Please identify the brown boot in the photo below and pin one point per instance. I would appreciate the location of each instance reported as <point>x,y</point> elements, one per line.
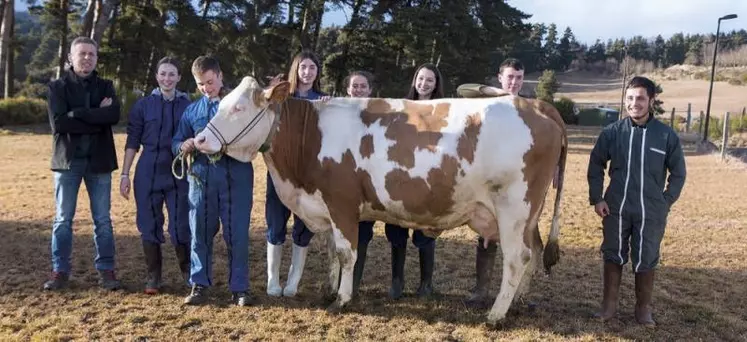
<point>612,276</point>
<point>644,289</point>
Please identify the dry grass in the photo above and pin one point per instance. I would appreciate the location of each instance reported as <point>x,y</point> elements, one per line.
<point>700,292</point>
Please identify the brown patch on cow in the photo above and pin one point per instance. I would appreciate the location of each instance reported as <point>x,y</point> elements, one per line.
<point>418,127</point>
<point>547,129</point>
<point>367,146</point>
<point>468,140</point>
<point>342,192</point>
<point>410,191</point>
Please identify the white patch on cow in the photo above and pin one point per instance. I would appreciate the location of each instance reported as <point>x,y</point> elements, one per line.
<point>341,129</point>
<point>513,214</point>
<point>503,140</point>
<point>346,258</point>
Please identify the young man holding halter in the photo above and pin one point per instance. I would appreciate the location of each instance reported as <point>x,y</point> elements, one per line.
<point>220,189</point>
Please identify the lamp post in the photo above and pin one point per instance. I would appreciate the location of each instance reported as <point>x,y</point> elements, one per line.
<point>713,71</point>
<point>624,54</point>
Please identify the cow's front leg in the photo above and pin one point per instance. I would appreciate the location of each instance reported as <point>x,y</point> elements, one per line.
<point>344,243</point>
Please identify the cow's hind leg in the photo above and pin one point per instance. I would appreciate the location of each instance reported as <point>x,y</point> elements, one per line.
<point>346,255</point>
<point>533,238</point>
<point>334,266</point>
<point>513,214</point>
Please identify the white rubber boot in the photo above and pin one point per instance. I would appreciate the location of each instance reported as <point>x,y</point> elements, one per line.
<point>274,256</point>
<point>296,270</point>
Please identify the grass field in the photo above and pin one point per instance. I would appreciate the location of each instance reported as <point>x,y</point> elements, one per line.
<point>700,291</point>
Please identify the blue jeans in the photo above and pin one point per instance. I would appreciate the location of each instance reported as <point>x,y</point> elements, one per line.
<point>277,215</point>
<point>66,186</point>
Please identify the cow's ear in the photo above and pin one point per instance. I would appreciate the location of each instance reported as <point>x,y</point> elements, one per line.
<point>277,93</point>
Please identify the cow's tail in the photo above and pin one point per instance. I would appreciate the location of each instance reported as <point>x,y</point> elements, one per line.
<point>551,254</point>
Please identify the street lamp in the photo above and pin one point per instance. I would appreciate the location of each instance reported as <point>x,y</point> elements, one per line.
<point>713,71</point>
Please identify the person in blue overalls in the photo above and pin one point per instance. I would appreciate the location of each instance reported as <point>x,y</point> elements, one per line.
<point>304,84</point>
<point>152,123</point>
<point>218,189</point>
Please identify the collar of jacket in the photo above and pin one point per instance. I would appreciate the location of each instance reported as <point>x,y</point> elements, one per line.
<point>157,92</point>
<point>648,121</point>
<point>73,77</point>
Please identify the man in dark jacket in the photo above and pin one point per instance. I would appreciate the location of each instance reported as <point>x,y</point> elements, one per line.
<point>640,150</point>
<point>82,110</point>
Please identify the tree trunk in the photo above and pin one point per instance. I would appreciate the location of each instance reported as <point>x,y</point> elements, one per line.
<point>88,18</point>
<point>62,21</point>
<point>115,14</point>
<point>104,10</point>
<point>7,43</point>
<point>2,9</point>
<point>205,8</point>
<point>351,26</point>
<point>6,46</point>
<point>317,24</point>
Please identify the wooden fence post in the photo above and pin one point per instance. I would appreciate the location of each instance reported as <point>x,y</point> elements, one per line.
<point>689,117</point>
<point>726,136</point>
<point>700,124</point>
<point>741,120</point>
<point>671,119</point>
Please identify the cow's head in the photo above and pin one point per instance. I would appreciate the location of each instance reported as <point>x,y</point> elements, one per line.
<point>244,120</point>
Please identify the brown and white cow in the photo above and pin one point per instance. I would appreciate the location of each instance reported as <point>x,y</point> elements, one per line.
<point>435,165</point>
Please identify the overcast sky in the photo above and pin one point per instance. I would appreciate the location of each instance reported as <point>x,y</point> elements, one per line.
<point>605,19</point>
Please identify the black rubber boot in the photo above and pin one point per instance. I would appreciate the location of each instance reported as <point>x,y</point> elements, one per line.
<point>398,272</point>
<point>360,262</point>
<point>484,264</point>
<point>427,259</point>
<point>153,261</point>
<point>183,258</point>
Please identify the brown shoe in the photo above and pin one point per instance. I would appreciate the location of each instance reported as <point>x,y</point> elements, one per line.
<point>612,276</point>
<point>644,289</point>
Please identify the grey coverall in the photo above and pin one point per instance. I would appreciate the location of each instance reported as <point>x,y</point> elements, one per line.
<point>639,159</point>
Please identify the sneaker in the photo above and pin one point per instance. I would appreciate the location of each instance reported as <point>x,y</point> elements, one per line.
<point>57,281</point>
<point>108,280</point>
<point>197,296</point>
<point>242,298</point>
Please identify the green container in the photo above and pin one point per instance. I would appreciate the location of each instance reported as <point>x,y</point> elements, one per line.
<point>597,116</point>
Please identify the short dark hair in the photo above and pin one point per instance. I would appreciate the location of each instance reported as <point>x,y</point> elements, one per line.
<point>168,60</point>
<point>642,82</point>
<point>84,40</point>
<point>511,63</point>
<point>204,64</point>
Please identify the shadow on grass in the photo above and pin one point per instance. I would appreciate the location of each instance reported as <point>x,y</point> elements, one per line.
<point>690,303</point>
